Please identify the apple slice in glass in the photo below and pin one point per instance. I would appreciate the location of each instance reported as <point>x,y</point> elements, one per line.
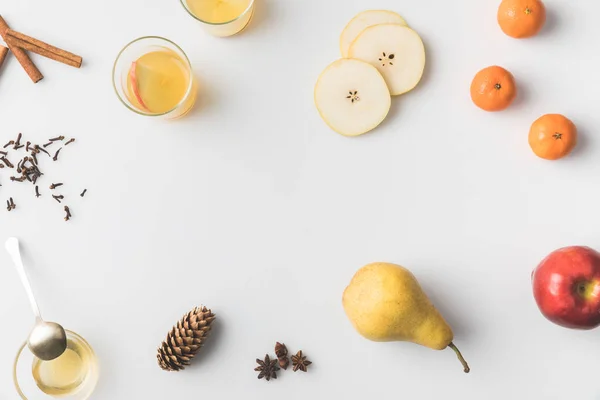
<point>134,87</point>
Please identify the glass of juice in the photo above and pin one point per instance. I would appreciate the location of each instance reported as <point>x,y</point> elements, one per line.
<point>152,76</point>
<point>72,376</point>
<point>221,17</point>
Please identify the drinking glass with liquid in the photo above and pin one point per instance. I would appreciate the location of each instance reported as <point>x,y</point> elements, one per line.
<point>72,376</point>
<point>152,76</point>
<point>221,17</point>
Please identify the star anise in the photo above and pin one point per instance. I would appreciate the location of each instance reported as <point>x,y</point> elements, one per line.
<point>267,368</point>
<point>282,355</point>
<point>300,362</point>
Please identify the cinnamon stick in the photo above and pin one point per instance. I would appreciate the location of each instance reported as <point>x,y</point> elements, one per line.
<point>43,49</point>
<point>3,54</point>
<point>21,55</point>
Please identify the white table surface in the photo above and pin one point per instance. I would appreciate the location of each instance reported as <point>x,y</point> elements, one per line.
<point>252,206</point>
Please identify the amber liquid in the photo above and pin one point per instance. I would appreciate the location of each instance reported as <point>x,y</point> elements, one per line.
<point>227,17</point>
<point>218,11</point>
<point>66,374</point>
<point>158,82</point>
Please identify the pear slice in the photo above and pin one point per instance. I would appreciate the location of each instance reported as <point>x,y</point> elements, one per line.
<point>396,51</point>
<point>352,97</point>
<point>364,20</point>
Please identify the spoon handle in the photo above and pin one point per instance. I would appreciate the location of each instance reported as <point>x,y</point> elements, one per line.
<point>12,246</point>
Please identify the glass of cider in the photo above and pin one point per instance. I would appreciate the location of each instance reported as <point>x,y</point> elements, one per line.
<point>152,76</point>
<point>72,376</point>
<point>221,17</point>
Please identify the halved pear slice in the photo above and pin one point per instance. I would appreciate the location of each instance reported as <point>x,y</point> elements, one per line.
<point>396,51</point>
<point>352,97</point>
<point>364,20</point>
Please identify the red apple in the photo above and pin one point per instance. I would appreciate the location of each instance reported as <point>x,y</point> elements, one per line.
<point>566,287</point>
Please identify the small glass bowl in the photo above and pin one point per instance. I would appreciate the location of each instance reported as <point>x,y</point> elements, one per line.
<point>28,389</point>
<point>227,28</point>
<point>132,52</point>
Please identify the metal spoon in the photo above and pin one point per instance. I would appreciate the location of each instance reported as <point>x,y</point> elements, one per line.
<point>47,340</point>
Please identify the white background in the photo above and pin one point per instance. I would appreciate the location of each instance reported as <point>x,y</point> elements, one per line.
<point>252,206</point>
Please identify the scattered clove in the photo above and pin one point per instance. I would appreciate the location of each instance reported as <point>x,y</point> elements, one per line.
<point>18,142</point>
<point>38,149</point>
<point>27,168</point>
<point>8,163</point>
<point>68,211</point>
<point>55,158</point>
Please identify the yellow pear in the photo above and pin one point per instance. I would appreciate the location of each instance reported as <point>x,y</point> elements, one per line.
<point>385,303</point>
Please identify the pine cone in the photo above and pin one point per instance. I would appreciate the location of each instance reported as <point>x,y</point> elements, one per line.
<point>185,339</point>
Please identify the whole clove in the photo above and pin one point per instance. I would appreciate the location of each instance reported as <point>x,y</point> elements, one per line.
<point>7,162</point>
<point>55,185</point>
<point>69,141</point>
<point>18,142</point>
<point>48,144</point>
<point>27,147</point>
<point>37,191</point>
<point>55,158</point>
<point>10,143</point>
<point>38,149</point>
<point>83,193</point>
<point>58,198</point>
<point>4,153</point>
<point>68,211</point>
<point>12,204</point>
<point>57,138</point>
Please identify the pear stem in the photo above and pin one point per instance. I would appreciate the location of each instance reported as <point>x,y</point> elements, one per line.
<point>460,358</point>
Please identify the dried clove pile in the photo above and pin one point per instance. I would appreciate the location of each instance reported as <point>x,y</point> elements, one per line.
<point>28,169</point>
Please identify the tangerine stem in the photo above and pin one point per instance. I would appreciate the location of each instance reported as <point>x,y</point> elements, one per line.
<point>460,358</point>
